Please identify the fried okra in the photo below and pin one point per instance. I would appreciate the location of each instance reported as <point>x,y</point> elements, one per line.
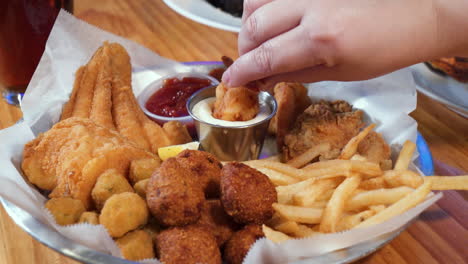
<point>109,183</point>
<point>136,245</point>
<point>90,218</point>
<point>142,169</point>
<point>123,212</point>
<point>66,210</point>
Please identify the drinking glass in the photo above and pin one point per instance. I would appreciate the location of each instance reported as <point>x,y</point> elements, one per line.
<point>24,28</point>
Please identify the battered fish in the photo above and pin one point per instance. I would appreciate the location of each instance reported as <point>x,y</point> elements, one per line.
<point>69,157</point>
<point>103,93</point>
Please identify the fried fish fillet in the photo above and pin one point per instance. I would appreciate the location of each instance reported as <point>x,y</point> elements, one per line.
<point>332,122</point>
<point>236,103</point>
<point>103,93</point>
<point>69,157</point>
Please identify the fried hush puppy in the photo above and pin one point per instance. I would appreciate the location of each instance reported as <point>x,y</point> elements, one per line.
<point>66,210</point>
<point>215,219</point>
<point>123,212</point>
<point>136,245</point>
<point>239,245</point>
<point>247,194</point>
<point>109,183</point>
<point>188,244</point>
<point>173,196</point>
<point>89,218</point>
<point>206,169</point>
<point>142,169</point>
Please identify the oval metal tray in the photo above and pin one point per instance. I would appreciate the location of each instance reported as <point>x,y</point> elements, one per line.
<point>69,248</point>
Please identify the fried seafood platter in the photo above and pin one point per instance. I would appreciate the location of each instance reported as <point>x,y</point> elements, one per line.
<point>100,165</point>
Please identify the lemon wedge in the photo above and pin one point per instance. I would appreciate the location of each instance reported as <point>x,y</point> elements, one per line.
<point>172,151</point>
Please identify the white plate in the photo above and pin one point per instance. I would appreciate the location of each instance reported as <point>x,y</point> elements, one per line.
<point>204,13</point>
<point>444,89</point>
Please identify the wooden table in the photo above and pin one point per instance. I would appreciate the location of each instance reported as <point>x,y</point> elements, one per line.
<point>440,235</point>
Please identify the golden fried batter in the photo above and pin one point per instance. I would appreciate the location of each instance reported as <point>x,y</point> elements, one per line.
<point>236,103</point>
<point>215,219</point>
<point>331,122</point>
<point>239,245</point>
<point>103,93</point>
<point>123,212</point>
<point>247,194</point>
<point>69,158</point>
<point>173,196</point>
<point>66,211</point>
<point>189,244</point>
<point>205,168</point>
<point>136,245</point>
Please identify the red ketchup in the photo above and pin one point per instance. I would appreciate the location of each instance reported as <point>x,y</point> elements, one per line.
<point>171,99</point>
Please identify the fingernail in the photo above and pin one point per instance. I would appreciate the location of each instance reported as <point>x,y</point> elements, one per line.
<point>227,78</point>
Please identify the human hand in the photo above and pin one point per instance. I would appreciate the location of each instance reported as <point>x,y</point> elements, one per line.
<point>316,40</point>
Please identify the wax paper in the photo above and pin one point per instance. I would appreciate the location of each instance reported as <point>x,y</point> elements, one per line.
<point>386,100</point>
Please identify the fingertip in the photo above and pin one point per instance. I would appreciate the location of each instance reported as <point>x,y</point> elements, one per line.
<point>226,79</point>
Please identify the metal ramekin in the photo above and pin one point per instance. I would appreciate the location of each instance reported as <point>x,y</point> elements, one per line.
<point>238,143</point>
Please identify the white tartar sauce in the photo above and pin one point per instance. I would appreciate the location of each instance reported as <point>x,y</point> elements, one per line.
<point>203,110</point>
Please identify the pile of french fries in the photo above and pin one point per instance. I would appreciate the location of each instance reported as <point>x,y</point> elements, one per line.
<point>346,193</point>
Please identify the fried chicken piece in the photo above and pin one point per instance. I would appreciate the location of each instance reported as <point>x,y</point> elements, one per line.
<point>247,194</point>
<point>292,100</point>
<point>239,245</point>
<point>455,67</point>
<point>374,148</point>
<point>236,103</point>
<point>189,244</point>
<point>69,158</point>
<point>331,122</point>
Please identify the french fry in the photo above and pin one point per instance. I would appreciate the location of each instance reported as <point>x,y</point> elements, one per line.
<point>273,235</point>
<point>288,227</point>
<point>395,178</point>
<point>351,147</point>
<point>277,178</point>
<point>349,221</point>
<point>408,202</point>
<point>448,182</point>
<point>404,158</point>
<point>345,167</point>
<point>309,155</point>
<point>335,206</point>
<point>373,183</point>
<point>376,197</point>
<point>305,231</point>
<point>299,214</point>
<point>358,157</point>
<point>286,193</point>
<point>276,158</point>
<point>377,208</point>
<point>309,196</point>
<point>326,196</point>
